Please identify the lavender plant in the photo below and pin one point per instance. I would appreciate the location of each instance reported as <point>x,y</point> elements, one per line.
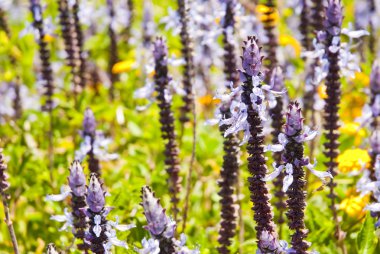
<point>291,142</point>
<point>187,53</point>
<point>4,186</point>
<point>162,80</point>
<point>254,112</point>
<point>101,235</point>
<point>230,167</point>
<point>46,71</point>
<point>161,227</point>
<point>76,219</point>
<point>70,40</point>
<point>94,144</point>
<point>113,56</point>
<point>333,23</point>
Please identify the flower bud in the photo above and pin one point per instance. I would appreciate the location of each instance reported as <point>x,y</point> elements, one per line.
<point>251,60</point>
<point>95,195</point>
<point>77,179</point>
<point>334,17</point>
<point>294,120</point>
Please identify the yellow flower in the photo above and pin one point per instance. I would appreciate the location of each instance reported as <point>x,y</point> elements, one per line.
<point>353,129</point>
<point>354,205</point>
<point>285,40</point>
<point>361,78</point>
<point>8,76</point>
<point>352,105</point>
<point>353,160</point>
<point>267,13</point>
<point>48,38</point>
<point>123,66</point>
<point>208,100</point>
<point>321,89</point>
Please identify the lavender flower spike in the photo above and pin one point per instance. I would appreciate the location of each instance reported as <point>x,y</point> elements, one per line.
<point>160,226</point>
<point>375,94</point>
<point>254,99</point>
<point>95,195</point>
<point>89,123</point>
<point>333,22</point>
<point>77,183</point>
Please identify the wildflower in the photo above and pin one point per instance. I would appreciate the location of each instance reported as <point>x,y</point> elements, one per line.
<point>354,206</point>
<point>353,160</point>
<point>101,234</point>
<point>270,244</point>
<point>291,141</point>
<point>253,97</point>
<point>167,121</point>
<point>150,246</point>
<point>353,129</point>
<point>160,226</point>
<point>187,52</point>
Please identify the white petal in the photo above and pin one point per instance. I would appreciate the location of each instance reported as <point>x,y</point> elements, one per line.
<point>59,218</point>
<point>320,174</point>
<point>274,174</point>
<point>273,148</point>
<point>282,139</point>
<point>288,180</point>
<point>124,227</point>
<point>374,207</point>
<point>58,197</point>
<point>97,230</point>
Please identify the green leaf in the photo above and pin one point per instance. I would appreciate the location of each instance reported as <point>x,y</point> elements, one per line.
<point>367,240</point>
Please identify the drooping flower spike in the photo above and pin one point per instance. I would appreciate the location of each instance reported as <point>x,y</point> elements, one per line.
<point>291,142</point>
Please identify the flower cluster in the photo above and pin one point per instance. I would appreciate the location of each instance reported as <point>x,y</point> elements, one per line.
<point>94,144</point>
<point>161,228</point>
<point>291,143</point>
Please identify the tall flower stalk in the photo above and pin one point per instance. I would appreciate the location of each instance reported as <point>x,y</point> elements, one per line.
<point>113,53</point>
<point>77,183</point>
<point>270,27</point>
<point>291,142</point>
<point>4,185</point>
<point>333,23</point>
<point>304,25</point>
<point>89,131</point>
<point>375,95</point>
<point>46,71</point>
<point>188,97</point>
<point>259,194</point>
<point>70,40</point>
<point>82,72</point>
<point>229,173</point>
<point>168,133</point>
<point>317,15</point>
<point>277,115</point>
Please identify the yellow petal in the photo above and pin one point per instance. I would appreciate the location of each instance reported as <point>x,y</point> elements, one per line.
<point>123,66</point>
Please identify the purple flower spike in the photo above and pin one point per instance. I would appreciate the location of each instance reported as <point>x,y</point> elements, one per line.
<point>77,179</point>
<point>294,120</point>
<point>158,223</point>
<point>89,123</point>
<point>375,78</point>
<point>95,194</point>
<point>277,80</point>
<point>4,184</point>
<point>251,60</point>
<point>334,17</point>
<point>160,51</point>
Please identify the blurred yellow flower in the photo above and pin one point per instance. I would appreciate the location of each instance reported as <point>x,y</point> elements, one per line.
<point>361,78</point>
<point>353,160</point>
<point>321,89</point>
<point>48,38</point>
<point>352,105</point>
<point>208,100</point>
<point>354,205</point>
<point>8,76</point>
<point>267,13</point>
<point>285,40</point>
<point>123,66</point>
<point>353,129</point>
<point>217,20</point>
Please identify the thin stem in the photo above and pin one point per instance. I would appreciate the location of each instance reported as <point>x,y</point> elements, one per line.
<point>9,223</point>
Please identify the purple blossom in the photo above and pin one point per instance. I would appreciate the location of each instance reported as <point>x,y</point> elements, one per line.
<point>89,123</point>
<point>251,59</point>
<point>375,78</point>
<point>375,142</point>
<point>95,195</point>
<point>334,17</point>
<point>77,179</point>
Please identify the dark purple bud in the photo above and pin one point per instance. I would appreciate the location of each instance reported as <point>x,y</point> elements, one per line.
<point>334,17</point>
<point>160,51</point>
<point>77,179</point>
<point>375,142</point>
<point>294,120</point>
<point>375,78</point>
<point>251,59</point>
<point>89,123</point>
<point>277,80</point>
<point>158,222</point>
<point>95,194</point>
